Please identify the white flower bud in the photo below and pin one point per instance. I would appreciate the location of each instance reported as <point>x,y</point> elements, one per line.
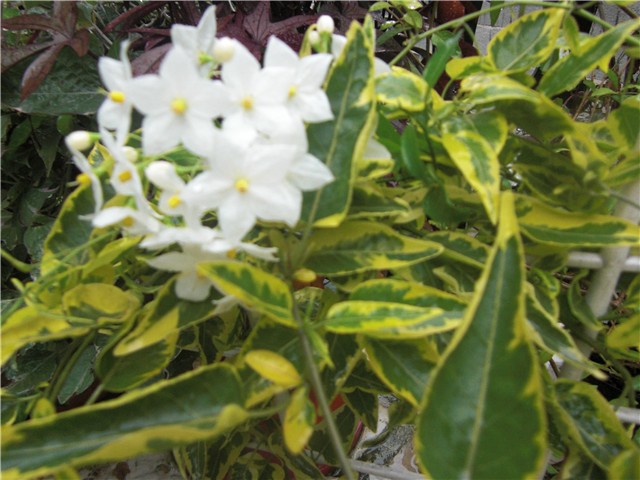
<point>223,50</point>
<point>314,37</point>
<point>325,24</point>
<point>79,140</point>
<point>163,175</point>
<point>130,153</point>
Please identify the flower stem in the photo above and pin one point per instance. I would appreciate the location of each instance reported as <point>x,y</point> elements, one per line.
<point>316,382</point>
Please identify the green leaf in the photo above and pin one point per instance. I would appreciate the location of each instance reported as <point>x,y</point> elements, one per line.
<point>382,319</point>
<point>590,422</point>
<point>80,376</point>
<point>527,42</point>
<point>99,304</point>
<point>624,123</point>
<point>72,86</point>
<point>211,459</point>
<point>365,406</point>
<point>485,397</point>
<point>437,62</point>
<point>164,316</point>
<point>340,142</point>
<point>403,365</point>
<point>570,70</point>
<point>254,288</point>
<point>360,246</point>
<point>198,405</point>
<point>559,227</point>
<point>626,465</point>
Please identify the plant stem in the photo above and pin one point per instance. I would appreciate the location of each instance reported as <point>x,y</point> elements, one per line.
<point>316,383</point>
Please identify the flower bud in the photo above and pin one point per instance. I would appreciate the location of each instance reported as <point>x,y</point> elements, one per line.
<point>163,175</point>
<point>223,50</point>
<point>304,275</point>
<point>79,140</point>
<point>325,24</point>
<point>314,37</point>
<point>130,153</point>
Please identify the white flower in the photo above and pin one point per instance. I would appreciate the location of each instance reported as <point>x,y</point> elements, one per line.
<point>190,285</point>
<point>132,221</point>
<point>189,235</point>
<point>306,172</point>
<point>177,197</point>
<point>198,41</point>
<point>227,247</point>
<point>257,95</point>
<point>250,183</point>
<point>304,80</point>
<point>179,105</point>
<point>115,111</point>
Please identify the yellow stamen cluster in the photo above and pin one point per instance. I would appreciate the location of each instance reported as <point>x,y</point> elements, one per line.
<point>293,90</point>
<point>179,105</point>
<point>247,103</point>
<point>242,185</point>
<point>231,254</point>
<point>125,176</point>
<point>83,179</point>
<point>127,222</point>
<point>117,96</point>
<point>174,201</point>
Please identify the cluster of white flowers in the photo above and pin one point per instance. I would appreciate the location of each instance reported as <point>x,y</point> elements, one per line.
<point>246,125</point>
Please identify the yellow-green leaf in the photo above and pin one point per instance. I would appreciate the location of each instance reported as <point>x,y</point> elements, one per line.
<point>527,42</point>
<point>560,227</point>
<point>525,107</point>
<point>360,246</point>
<point>401,90</point>
<point>198,405</point>
<point>461,247</point>
<point>474,142</point>
<point>299,418</point>
<point>100,304</point>
<point>403,365</point>
<point>341,142</point>
<point>590,422</point>
<point>163,317</point>
<point>389,320</point>
<point>570,70</point>
<point>273,367</point>
<point>485,396</point>
<point>254,288</point>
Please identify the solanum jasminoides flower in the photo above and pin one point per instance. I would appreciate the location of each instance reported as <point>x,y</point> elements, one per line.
<point>190,285</point>
<point>198,41</point>
<point>115,111</point>
<point>249,183</point>
<point>179,105</point>
<point>257,95</point>
<point>305,77</point>
<point>129,219</point>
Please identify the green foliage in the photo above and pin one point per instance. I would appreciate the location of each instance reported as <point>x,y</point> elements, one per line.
<point>434,269</point>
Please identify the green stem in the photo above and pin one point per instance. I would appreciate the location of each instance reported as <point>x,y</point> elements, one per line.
<point>67,363</point>
<point>316,382</point>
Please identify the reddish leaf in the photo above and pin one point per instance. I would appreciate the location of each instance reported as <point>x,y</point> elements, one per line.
<point>149,61</point>
<point>67,14</point>
<point>343,13</point>
<point>80,42</point>
<point>11,56</point>
<point>133,16</point>
<point>35,74</point>
<point>259,26</point>
<point>33,22</point>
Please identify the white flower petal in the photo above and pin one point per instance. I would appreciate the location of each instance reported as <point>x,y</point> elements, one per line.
<point>147,94</point>
<point>314,106</point>
<point>193,287</point>
<point>279,54</point>
<point>172,262</point>
<point>313,70</point>
<point>240,70</point>
<point>160,133</point>
<point>309,173</point>
<point>235,219</point>
<point>185,36</point>
<point>207,29</point>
